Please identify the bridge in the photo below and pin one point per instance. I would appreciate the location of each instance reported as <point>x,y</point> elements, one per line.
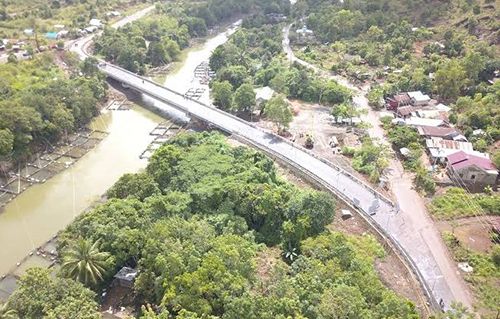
<point>374,207</point>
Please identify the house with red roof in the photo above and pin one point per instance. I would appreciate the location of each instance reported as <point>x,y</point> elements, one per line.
<point>474,172</point>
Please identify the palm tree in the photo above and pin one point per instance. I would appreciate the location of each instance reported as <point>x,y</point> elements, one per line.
<point>84,262</point>
<point>6,313</point>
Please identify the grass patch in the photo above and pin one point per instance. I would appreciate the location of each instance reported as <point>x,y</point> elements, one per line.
<point>457,203</point>
<point>485,279</point>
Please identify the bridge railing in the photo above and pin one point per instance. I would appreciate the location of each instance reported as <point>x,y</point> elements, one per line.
<point>329,163</point>
<point>365,215</point>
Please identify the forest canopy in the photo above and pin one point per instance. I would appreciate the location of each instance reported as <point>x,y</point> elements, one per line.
<point>197,224</point>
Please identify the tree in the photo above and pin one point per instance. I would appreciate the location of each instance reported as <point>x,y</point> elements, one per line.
<point>244,98</point>
<point>345,110</point>
<point>140,186</point>
<point>157,54</point>
<point>279,112</point>
<point>496,158</point>
<point>223,94</point>
<point>83,261</point>
<point>89,66</point>
<point>450,79</point>
<point>6,142</point>
<point>6,312</point>
<point>39,295</point>
<point>12,58</point>
<point>375,97</point>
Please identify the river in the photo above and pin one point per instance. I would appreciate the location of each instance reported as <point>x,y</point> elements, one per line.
<point>40,212</point>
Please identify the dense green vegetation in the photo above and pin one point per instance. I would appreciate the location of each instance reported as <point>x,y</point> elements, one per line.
<point>197,224</point>
<point>407,47</point>
<point>42,15</point>
<point>370,159</point>
<point>158,39</point>
<point>457,202</point>
<point>40,295</point>
<point>253,56</point>
<point>407,137</point>
<point>40,103</point>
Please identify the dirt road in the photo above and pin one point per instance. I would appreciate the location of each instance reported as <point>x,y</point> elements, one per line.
<point>411,225</point>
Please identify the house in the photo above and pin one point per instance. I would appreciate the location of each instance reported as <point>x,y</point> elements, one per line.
<point>263,94</point>
<point>91,29</point>
<point>405,111</point>
<point>443,108</point>
<point>62,34</point>
<point>433,114</point>
<point>439,148</point>
<point>125,277</point>
<point>472,171</point>
<point>304,31</point>
<point>397,101</point>
<point>418,98</point>
<point>28,32</point>
<point>304,35</point>
<point>418,121</point>
<point>95,23</point>
<point>447,133</point>
<point>113,14</point>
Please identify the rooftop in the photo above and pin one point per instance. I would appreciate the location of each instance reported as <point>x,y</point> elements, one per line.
<point>418,121</point>
<point>127,274</point>
<point>461,159</point>
<point>437,142</point>
<point>419,96</point>
<point>437,131</point>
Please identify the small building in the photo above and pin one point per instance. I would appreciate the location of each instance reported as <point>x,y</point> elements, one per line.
<point>28,32</point>
<point>446,133</point>
<point>113,14</point>
<point>418,121</point>
<point>418,98</point>
<point>443,108</point>
<point>62,34</point>
<point>405,111</point>
<point>304,31</point>
<point>59,26</point>
<point>263,94</point>
<point>439,148</point>
<point>397,101</point>
<point>475,172</point>
<point>91,29</point>
<point>95,23</point>
<point>125,277</point>
<point>304,35</point>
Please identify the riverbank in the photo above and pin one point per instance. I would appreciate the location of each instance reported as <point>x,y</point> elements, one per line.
<point>41,211</point>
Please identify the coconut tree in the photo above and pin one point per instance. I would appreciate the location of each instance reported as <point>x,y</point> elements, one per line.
<point>6,312</point>
<point>84,262</point>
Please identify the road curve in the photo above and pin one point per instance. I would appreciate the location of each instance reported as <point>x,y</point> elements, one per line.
<point>413,211</point>
<point>402,235</point>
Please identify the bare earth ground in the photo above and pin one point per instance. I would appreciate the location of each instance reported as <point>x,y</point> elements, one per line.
<point>472,232</point>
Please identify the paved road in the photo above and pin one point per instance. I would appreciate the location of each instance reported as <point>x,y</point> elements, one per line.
<point>411,227</point>
<point>337,180</point>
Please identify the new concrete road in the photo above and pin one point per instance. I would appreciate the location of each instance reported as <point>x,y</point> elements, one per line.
<point>411,227</point>
<point>345,185</point>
